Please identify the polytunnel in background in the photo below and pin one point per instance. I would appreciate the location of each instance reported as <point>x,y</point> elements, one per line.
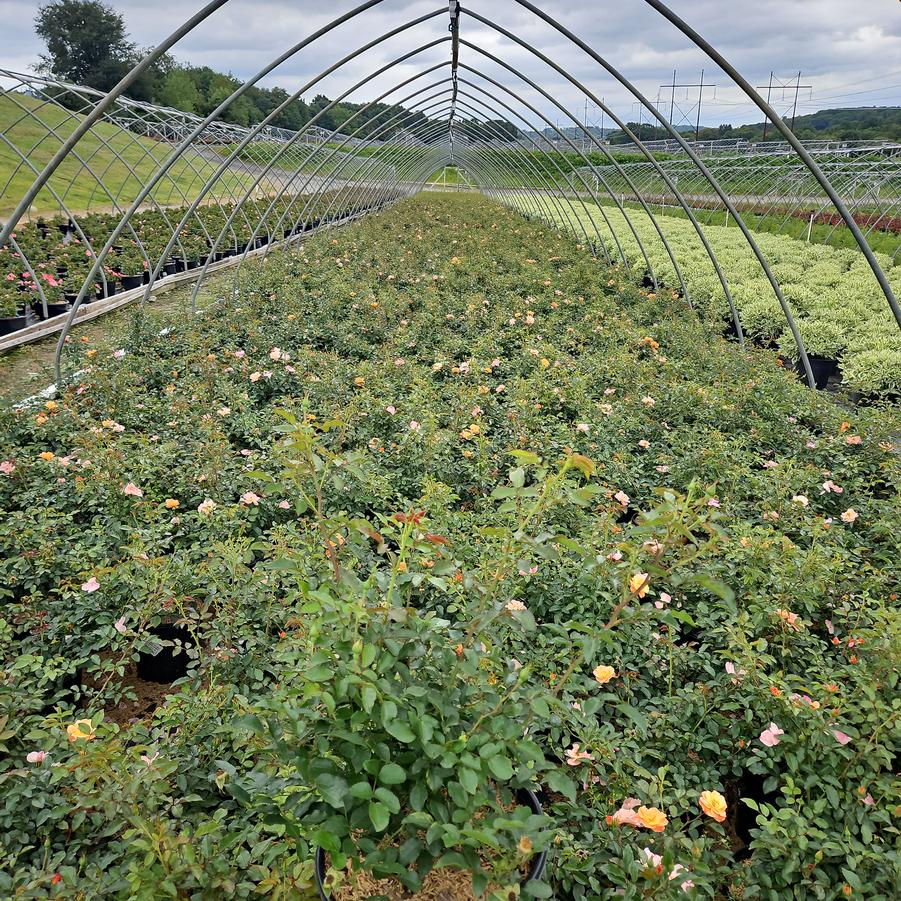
<point>141,193</point>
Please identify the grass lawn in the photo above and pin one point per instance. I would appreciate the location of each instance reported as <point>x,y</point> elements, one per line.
<point>27,122</point>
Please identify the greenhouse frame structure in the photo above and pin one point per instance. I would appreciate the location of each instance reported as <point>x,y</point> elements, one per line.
<point>204,161</point>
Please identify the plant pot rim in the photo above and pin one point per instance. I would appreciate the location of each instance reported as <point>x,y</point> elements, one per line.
<point>536,869</point>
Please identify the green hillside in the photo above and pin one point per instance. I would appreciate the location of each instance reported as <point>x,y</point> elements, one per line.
<point>27,123</point>
<point>865,123</point>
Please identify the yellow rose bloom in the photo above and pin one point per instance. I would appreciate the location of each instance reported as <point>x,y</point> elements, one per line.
<point>604,674</point>
<point>172,504</point>
<point>80,730</point>
<point>639,584</point>
<point>714,805</point>
<point>47,455</point>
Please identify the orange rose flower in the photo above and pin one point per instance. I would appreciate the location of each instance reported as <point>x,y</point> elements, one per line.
<point>652,818</point>
<point>714,805</point>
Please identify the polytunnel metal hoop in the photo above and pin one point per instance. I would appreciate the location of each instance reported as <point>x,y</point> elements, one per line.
<point>529,173</point>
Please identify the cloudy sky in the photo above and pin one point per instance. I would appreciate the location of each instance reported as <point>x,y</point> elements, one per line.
<point>848,51</point>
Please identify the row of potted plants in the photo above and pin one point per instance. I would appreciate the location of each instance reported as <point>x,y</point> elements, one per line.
<point>840,309</point>
<point>59,252</point>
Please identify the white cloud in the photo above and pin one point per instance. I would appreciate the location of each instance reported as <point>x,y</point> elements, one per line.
<point>849,52</point>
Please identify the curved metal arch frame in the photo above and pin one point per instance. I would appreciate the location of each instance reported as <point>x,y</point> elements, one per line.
<point>237,150</point>
<point>186,142</point>
<point>642,147</point>
<point>323,112</point>
<point>562,175</point>
<point>405,113</point>
<point>418,108</point>
<point>346,140</point>
<point>578,219</point>
<point>786,133</point>
<point>448,155</point>
<point>456,10</point>
<point>526,4</point>
<point>593,168</point>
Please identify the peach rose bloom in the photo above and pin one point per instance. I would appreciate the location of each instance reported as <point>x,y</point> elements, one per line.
<point>80,730</point>
<point>714,805</point>
<point>652,818</point>
<point>603,674</point>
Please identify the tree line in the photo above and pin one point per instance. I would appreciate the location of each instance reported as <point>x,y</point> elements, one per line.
<point>88,44</point>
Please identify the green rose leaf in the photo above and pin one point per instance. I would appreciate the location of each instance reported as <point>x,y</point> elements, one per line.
<point>392,774</point>
<point>379,815</point>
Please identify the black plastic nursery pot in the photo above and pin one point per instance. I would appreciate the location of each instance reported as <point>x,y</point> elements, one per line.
<point>171,661</point>
<point>170,266</point>
<point>53,309</point>
<point>10,324</point>
<point>730,331</point>
<point>130,282</point>
<point>525,796</point>
<point>109,290</point>
<point>822,368</point>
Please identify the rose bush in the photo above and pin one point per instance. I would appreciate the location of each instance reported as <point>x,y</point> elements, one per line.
<point>562,497</point>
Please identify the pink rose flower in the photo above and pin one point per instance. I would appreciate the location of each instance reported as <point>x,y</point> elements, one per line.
<point>770,735</point>
<point>574,756</point>
<point>91,585</point>
<point>36,756</point>
<point>626,815</point>
<point>132,490</point>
